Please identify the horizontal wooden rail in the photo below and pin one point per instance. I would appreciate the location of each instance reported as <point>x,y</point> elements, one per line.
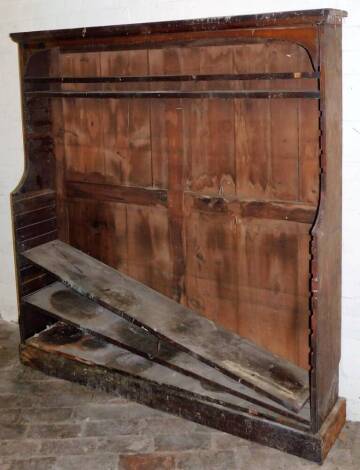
<point>33,200</point>
<point>278,210</point>
<point>121,194</point>
<point>177,94</point>
<point>176,78</point>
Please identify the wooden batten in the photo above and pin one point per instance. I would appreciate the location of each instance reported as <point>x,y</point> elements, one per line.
<point>177,227</point>
<point>260,94</point>
<point>176,78</point>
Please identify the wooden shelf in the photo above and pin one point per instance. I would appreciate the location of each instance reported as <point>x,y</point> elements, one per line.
<point>68,353</point>
<point>226,94</point>
<point>66,305</point>
<point>233,355</point>
<point>177,78</point>
<point>70,341</point>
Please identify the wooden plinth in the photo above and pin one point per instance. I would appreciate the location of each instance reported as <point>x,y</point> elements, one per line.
<point>313,447</point>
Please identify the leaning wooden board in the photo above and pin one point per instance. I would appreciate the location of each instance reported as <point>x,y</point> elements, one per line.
<point>77,342</point>
<point>236,357</point>
<point>72,354</point>
<point>74,309</point>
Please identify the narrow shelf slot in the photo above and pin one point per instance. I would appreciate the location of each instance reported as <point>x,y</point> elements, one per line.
<point>177,78</point>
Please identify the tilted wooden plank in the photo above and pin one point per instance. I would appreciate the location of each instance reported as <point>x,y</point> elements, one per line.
<point>68,306</point>
<point>82,345</point>
<point>236,357</point>
<point>51,360</point>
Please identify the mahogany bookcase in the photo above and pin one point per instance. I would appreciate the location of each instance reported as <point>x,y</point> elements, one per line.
<point>178,224</point>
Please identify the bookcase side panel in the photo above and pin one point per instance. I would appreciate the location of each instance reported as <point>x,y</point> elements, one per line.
<point>326,241</point>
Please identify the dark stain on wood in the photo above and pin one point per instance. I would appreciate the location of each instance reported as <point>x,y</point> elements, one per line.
<point>78,311</point>
<point>61,335</point>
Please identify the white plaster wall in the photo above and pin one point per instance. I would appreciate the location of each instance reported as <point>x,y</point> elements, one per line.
<point>27,15</point>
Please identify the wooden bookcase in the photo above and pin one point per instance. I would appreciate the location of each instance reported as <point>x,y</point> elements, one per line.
<point>183,182</point>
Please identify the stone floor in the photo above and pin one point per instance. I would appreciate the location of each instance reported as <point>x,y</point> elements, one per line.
<point>50,424</point>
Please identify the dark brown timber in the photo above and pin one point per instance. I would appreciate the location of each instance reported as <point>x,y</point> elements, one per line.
<point>198,164</point>
<point>289,18</point>
<point>261,94</point>
<point>175,78</point>
<point>326,237</point>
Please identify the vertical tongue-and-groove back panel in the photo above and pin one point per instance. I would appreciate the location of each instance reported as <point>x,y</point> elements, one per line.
<point>221,151</point>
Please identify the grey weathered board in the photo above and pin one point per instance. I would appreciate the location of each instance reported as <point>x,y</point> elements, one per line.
<point>84,347</point>
<point>68,306</point>
<point>233,355</point>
